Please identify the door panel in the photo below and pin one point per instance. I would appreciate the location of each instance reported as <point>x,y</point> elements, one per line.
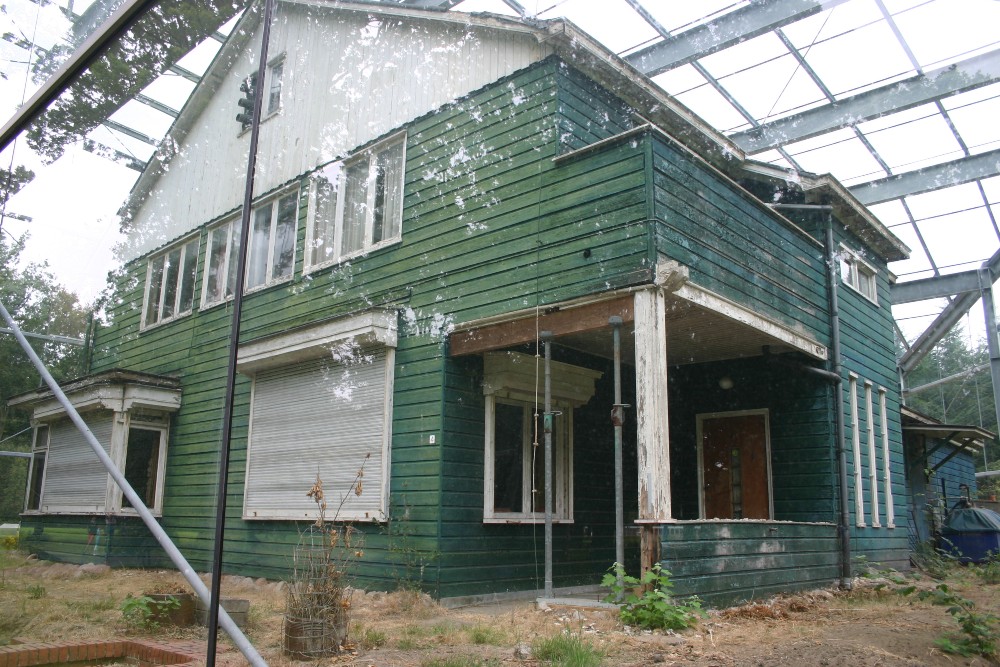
<point>734,467</point>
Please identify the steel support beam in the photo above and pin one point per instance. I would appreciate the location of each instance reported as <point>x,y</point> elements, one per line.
<point>431,4</point>
<point>928,179</point>
<point>992,338</point>
<point>934,288</point>
<point>848,112</point>
<point>759,17</point>
<point>948,317</point>
<point>128,131</point>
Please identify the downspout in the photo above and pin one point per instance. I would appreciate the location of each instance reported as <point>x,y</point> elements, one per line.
<point>836,378</point>
<point>546,337</point>
<point>844,525</point>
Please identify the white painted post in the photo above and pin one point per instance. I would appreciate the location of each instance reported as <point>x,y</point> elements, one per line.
<point>651,405</point>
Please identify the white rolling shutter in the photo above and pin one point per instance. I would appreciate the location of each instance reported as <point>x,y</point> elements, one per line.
<point>320,416</point>
<point>75,480</point>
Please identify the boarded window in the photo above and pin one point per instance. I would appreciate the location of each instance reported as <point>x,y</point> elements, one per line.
<point>328,416</point>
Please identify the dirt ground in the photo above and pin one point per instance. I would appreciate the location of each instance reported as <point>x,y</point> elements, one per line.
<point>866,627</point>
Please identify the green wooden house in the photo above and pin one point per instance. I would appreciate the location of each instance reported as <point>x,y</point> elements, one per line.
<point>433,191</point>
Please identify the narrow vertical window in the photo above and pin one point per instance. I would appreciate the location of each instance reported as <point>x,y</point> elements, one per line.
<point>274,87</point>
<point>872,459</point>
<point>890,511</point>
<point>859,493</point>
<point>36,476</point>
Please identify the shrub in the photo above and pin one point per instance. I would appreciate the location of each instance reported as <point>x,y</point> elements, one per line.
<point>654,608</point>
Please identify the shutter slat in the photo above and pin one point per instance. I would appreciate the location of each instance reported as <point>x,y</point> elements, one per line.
<point>74,476</point>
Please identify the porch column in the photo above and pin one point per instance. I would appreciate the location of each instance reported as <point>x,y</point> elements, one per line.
<point>651,419</point>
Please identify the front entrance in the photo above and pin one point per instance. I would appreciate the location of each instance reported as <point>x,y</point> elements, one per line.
<point>734,465</point>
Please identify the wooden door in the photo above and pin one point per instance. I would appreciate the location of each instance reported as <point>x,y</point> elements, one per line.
<point>734,456</point>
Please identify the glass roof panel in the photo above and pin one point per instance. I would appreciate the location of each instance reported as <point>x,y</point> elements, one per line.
<point>946,200</point>
<point>679,16</point>
<point>680,79</point>
<point>709,103</point>
<point>936,33</point>
<point>744,55</point>
<point>773,157</point>
<point>918,261</point>
<point>832,22</point>
<point>891,213</point>
<point>916,144</point>
<point>491,6</point>
<point>898,118</point>
<point>991,186</point>
<point>862,59</point>
<point>627,30</point>
<point>774,88</point>
<point>847,158</point>
<point>960,241</point>
<point>977,124</point>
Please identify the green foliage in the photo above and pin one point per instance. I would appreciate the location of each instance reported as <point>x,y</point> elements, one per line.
<point>487,635</point>
<point>934,562</point>
<point>989,571</point>
<point>12,619</point>
<point>39,304</point>
<point>566,650</point>
<point>142,612</point>
<point>654,608</point>
<point>412,560</point>
<point>369,638</point>
<point>9,542</point>
<point>36,592</point>
<point>981,630</point>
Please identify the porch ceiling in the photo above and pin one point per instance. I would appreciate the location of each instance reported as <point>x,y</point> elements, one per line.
<point>694,335</point>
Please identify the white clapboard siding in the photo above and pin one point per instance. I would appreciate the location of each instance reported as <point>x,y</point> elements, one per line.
<point>321,417</point>
<point>75,480</point>
<point>348,78</point>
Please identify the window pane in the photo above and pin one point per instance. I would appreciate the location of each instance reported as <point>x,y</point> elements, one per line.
<point>155,287</point>
<point>355,205</point>
<point>142,457</point>
<point>215,284</point>
<point>508,462</point>
<point>538,479</point>
<point>325,216</point>
<point>259,237</point>
<point>391,166</point>
<point>35,484</point>
<point>234,253</point>
<point>284,237</point>
<point>170,273</point>
<point>274,92</point>
<point>187,276</point>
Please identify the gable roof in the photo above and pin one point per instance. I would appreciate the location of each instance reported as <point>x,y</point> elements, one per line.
<point>572,45</point>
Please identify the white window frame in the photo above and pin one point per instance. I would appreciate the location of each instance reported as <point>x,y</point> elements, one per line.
<point>890,510</point>
<point>562,456</point>
<point>187,246</point>
<point>39,454</point>
<point>274,202</point>
<point>859,492</point>
<point>336,174</point>
<point>231,227</point>
<point>858,274</point>
<point>513,378</point>
<point>276,64</point>
<point>120,455</point>
<point>872,460</point>
<point>366,332</point>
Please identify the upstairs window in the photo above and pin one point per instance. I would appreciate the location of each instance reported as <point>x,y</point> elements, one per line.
<point>858,274</point>
<point>220,262</point>
<point>272,241</point>
<point>170,278</point>
<point>357,204</point>
<point>274,73</point>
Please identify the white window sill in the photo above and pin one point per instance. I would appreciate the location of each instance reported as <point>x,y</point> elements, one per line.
<point>313,268</point>
<point>524,520</point>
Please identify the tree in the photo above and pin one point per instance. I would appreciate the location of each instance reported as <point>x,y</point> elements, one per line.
<point>39,304</point>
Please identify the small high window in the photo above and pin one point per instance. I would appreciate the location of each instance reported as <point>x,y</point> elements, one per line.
<point>357,204</point>
<point>858,274</point>
<point>274,73</point>
<point>170,277</point>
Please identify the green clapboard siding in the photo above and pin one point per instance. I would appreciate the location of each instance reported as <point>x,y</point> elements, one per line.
<point>725,562</point>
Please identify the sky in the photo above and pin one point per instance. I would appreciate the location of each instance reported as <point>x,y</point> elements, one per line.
<point>73,202</point>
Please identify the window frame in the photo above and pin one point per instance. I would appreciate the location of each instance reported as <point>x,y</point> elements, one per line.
<point>339,187</point>
<point>276,63</point>
<point>184,244</point>
<point>120,456</point>
<point>858,274</point>
<point>231,238</point>
<point>274,201</point>
<point>39,453</point>
<point>562,455</point>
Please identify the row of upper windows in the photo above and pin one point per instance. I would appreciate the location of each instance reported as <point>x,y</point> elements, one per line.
<point>355,206</point>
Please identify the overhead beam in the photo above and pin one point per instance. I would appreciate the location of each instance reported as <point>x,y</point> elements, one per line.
<point>934,288</point>
<point>128,131</point>
<point>431,4</point>
<point>943,323</point>
<point>757,18</point>
<point>928,179</point>
<point>156,104</point>
<point>850,111</point>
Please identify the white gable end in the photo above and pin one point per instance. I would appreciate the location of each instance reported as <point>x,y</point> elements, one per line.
<point>348,77</point>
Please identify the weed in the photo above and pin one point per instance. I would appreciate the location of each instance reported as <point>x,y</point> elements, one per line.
<point>411,559</point>
<point>981,629</point>
<point>654,608</point>
<point>989,571</point>
<point>12,620</point>
<point>369,638</point>
<point>9,542</point>
<point>36,592</point>
<point>407,644</point>
<point>566,650</point>
<point>487,635</point>
<point>141,612</point>
<point>461,661</point>
<point>934,562</point>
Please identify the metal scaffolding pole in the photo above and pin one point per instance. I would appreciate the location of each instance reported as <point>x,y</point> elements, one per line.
<point>617,420</point>
<point>546,336</point>
<point>992,341</point>
<point>241,641</point>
